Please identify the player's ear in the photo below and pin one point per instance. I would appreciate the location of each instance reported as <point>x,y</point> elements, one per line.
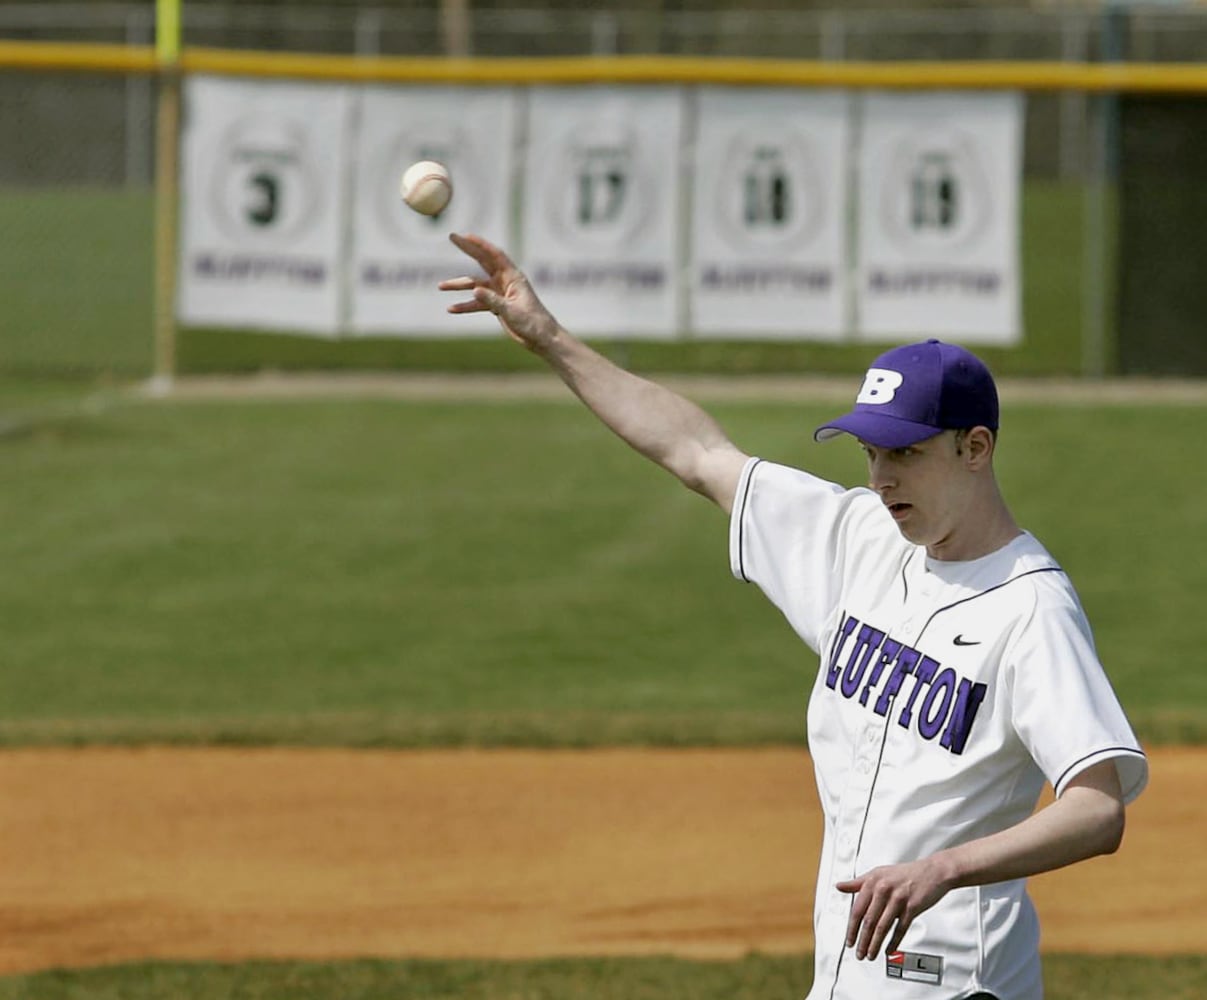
<point>978,444</point>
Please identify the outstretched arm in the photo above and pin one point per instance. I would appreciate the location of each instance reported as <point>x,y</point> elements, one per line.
<point>1085,821</point>
<point>658,423</point>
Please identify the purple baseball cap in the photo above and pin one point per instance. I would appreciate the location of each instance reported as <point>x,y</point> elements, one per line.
<point>913,392</point>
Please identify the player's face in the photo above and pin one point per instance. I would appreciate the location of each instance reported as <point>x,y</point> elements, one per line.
<point>927,490</point>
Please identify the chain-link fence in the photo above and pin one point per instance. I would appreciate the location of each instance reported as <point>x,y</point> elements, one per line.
<point>1143,32</point>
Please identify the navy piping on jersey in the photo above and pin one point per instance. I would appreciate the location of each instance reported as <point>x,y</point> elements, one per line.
<point>884,735</point>
<point>965,600</point>
<point>904,577</point>
<point>742,521</point>
<point>858,846</point>
<point>1109,750</point>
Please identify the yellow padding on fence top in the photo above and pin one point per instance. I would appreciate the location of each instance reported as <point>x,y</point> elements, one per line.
<point>1175,77</point>
<point>1091,77</point>
<point>76,57</point>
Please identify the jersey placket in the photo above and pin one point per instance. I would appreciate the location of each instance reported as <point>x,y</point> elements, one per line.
<point>866,752</point>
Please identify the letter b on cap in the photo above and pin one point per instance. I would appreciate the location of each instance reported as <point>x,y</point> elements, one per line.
<point>880,386</point>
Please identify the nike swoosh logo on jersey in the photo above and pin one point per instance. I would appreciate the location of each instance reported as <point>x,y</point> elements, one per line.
<point>959,640</point>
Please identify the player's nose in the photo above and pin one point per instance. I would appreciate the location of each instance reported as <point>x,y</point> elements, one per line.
<point>880,474</point>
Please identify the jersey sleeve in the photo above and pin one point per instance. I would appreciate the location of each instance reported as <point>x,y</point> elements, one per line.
<point>792,534</point>
<point>1064,708</point>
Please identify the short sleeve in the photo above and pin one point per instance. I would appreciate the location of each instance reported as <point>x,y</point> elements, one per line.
<point>791,533</point>
<point>1064,708</point>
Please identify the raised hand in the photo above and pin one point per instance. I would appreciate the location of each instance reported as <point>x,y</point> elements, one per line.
<point>504,291</point>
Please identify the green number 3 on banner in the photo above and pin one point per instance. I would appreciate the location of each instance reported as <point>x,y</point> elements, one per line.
<point>265,210</point>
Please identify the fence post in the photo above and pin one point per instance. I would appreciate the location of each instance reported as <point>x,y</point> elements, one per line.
<point>167,183</point>
<point>455,27</point>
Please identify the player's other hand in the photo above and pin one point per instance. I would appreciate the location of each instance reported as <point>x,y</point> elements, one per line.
<point>504,291</point>
<point>888,896</point>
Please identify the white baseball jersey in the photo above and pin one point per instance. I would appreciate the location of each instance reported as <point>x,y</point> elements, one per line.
<point>947,693</point>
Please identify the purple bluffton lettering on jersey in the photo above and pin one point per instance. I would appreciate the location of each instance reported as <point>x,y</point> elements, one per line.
<point>937,699</point>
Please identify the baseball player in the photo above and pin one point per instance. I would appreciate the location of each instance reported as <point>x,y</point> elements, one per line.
<point>957,670</point>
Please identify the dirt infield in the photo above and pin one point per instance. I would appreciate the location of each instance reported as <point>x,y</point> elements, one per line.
<point>114,855</point>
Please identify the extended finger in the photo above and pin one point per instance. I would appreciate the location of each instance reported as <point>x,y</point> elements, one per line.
<point>468,306</point>
<point>492,259</point>
<point>463,284</point>
<point>484,300</point>
<point>859,906</point>
<point>903,923</point>
<point>878,933</point>
<point>873,914</point>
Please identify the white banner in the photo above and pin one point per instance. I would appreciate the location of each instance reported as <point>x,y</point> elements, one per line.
<point>399,255</point>
<point>263,174</point>
<point>769,245</point>
<point>939,178</point>
<point>601,217</point>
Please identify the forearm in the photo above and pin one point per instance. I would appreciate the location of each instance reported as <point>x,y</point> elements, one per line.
<point>1086,820</point>
<point>1081,824</point>
<point>660,424</point>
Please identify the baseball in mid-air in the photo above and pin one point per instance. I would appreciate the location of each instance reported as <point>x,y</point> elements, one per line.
<point>426,186</point>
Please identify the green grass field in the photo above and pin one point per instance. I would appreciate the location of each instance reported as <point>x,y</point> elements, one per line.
<point>1066,977</point>
<point>401,573</point>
